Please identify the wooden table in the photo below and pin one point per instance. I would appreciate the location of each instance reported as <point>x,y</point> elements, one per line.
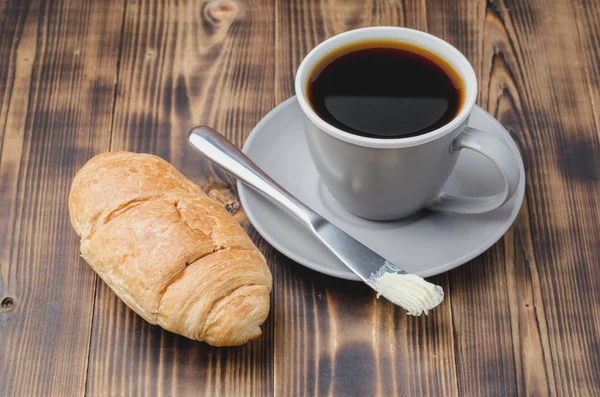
<point>80,77</point>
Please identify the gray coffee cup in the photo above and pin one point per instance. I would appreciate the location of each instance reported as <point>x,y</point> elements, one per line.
<point>387,179</point>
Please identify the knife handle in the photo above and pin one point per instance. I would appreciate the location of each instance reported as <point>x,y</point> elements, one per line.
<point>221,151</point>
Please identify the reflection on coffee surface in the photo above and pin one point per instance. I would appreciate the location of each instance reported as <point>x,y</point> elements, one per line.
<point>385,89</point>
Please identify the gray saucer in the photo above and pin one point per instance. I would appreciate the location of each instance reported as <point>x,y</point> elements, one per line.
<point>426,244</point>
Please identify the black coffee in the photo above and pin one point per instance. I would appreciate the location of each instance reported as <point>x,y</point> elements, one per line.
<point>385,90</point>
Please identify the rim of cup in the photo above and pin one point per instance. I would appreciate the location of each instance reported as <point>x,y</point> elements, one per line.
<point>417,38</point>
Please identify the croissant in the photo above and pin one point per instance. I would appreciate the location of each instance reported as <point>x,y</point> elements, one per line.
<point>171,253</point>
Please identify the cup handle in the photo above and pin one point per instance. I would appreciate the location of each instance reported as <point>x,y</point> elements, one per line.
<point>495,150</point>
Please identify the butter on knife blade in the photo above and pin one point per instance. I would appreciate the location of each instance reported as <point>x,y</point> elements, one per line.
<point>409,291</point>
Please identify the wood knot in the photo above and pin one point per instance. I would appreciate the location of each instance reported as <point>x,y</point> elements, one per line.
<point>225,7</point>
<point>227,198</point>
<point>233,206</point>
<point>217,11</point>
<point>7,303</point>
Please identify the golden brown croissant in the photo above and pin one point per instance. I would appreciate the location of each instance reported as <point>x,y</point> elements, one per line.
<point>171,253</point>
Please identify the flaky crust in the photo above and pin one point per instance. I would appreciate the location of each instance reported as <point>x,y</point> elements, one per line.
<point>171,253</point>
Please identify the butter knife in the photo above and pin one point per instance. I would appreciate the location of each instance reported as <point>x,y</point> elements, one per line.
<point>411,292</point>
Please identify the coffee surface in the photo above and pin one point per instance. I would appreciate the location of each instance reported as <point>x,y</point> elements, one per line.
<point>385,91</point>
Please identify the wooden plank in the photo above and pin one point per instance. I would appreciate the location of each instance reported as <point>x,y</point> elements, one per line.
<point>332,337</point>
<point>515,42</point>
<point>588,29</point>
<point>480,315</point>
<point>536,88</point>
<point>566,220</point>
<point>502,96</point>
<point>185,63</point>
<point>57,98</point>
<point>12,21</point>
<point>13,77</point>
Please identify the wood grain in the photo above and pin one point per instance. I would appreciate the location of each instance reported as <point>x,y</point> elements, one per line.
<point>57,94</point>
<point>588,29</point>
<point>78,78</point>
<point>335,337</point>
<point>562,206</point>
<point>183,64</point>
<point>478,290</point>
